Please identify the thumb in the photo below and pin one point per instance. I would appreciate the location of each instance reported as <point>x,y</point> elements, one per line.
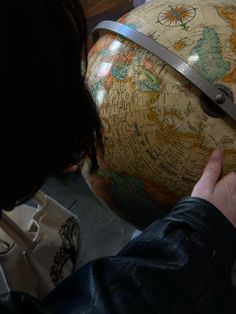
<point>212,171</point>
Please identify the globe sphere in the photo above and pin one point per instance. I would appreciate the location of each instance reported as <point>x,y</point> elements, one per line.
<point>158,129</point>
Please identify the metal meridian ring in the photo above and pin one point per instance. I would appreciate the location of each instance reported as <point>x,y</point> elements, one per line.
<point>207,88</point>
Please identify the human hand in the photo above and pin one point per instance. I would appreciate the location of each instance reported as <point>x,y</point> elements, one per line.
<point>221,192</point>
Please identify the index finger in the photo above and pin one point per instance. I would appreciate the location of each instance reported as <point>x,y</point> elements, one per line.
<point>211,173</point>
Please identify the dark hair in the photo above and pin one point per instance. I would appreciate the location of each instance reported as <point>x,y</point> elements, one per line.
<point>50,119</point>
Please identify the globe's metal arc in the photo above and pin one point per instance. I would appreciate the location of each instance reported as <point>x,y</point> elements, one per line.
<point>220,99</point>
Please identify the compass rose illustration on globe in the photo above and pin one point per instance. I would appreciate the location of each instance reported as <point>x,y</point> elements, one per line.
<point>177,15</point>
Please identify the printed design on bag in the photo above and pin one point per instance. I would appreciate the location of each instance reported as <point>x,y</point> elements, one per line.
<point>68,252</point>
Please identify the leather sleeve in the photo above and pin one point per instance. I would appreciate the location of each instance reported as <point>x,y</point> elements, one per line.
<point>20,303</point>
<point>180,264</point>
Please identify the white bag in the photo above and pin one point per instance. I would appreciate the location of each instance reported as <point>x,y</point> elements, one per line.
<point>39,246</point>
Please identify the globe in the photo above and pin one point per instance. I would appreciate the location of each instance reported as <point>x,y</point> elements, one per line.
<point>157,129</point>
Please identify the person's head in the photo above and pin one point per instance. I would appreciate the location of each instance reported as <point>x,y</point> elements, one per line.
<point>48,118</point>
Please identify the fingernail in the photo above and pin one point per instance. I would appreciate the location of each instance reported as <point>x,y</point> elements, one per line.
<point>216,155</point>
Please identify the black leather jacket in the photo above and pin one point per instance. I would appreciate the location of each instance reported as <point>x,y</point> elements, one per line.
<point>179,264</point>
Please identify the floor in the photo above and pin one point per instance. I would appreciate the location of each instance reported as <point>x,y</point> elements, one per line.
<point>102,232</point>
